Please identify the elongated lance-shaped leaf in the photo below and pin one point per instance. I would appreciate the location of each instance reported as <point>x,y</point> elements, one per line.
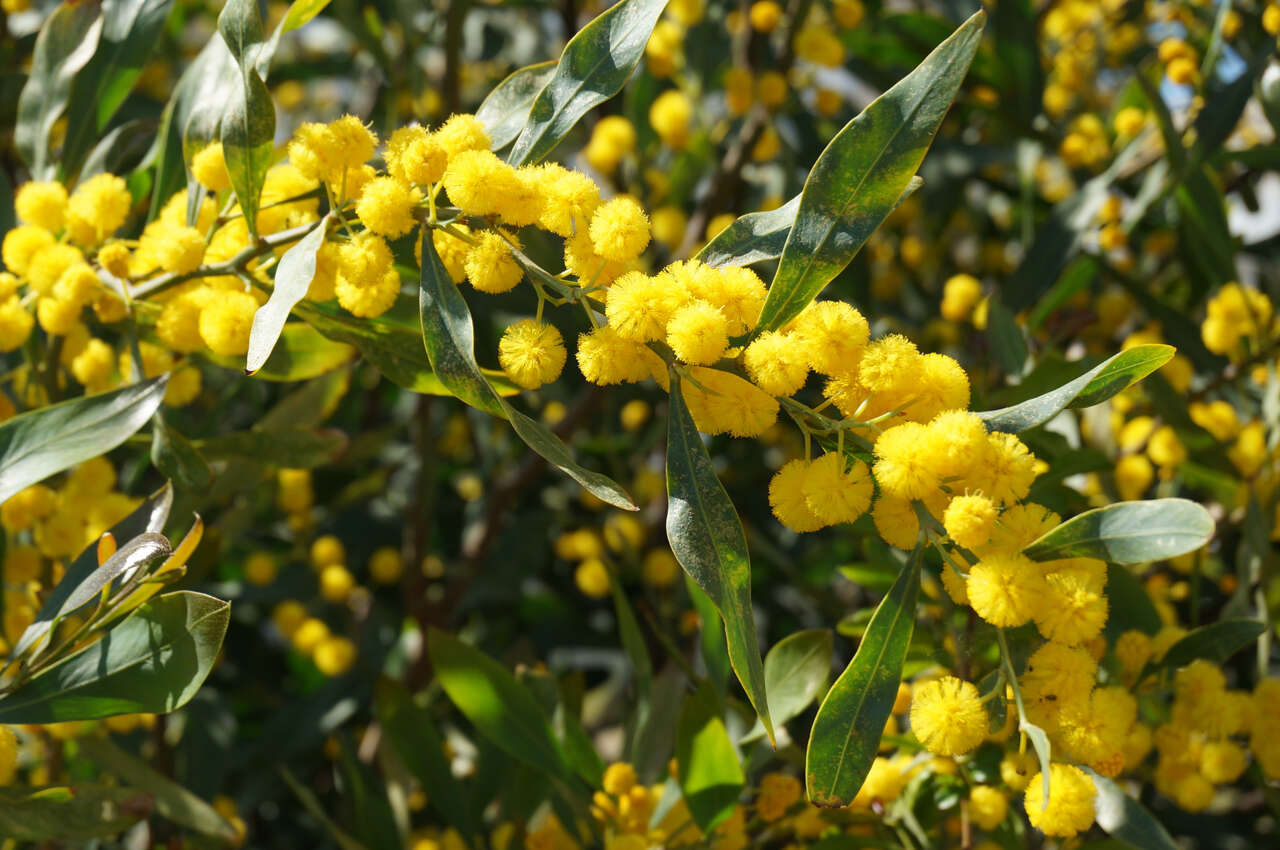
<point>172,801</point>
<point>796,672</point>
<point>66,43</point>
<point>1215,642</point>
<point>153,662</point>
<point>859,178</point>
<point>62,814</point>
<point>1125,818</point>
<point>35,445</point>
<point>756,237</point>
<point>149,518</point>
<point>846,731</point>
<point>248,126</point>
<point>752,238</point>
<point>130,32</point>
<point>1109,378</point>
<point>296,270</point>
<point>1128,533</point>
<point>176,458</point>
<point>707,538</point>
<point>411,734</point>
<point>594,66</point>
<point>496,703</point>
<point>449,337</point>
<point>143,550</point>
<point>709,770</point>
<point>505,110</point>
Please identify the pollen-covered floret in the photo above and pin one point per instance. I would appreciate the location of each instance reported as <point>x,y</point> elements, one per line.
<point>225,322</point>
<point>698,333</point>
<point>97,208</point>
<point>774,363</point>
<point>386,206</point>
<point>42,203</point>
<point>787,498</point>
<point>532,353</point>
<point>722,403</point>
<point>947,716</point>
<point>619,229</point>
<point>1070,805</point>
<point>490,266</point>
<point>607,358</point>
<point>209,168</point>
<point>639,306</point>
<point>837,489</point>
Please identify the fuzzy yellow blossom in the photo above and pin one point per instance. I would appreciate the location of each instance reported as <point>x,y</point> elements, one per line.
<point>960,294</point>
<point>1070,805</point>
<point>42,204</point>
<point>592,578</point>
<point>773,363</point>
<point>639,306</point>
<point>1006,591</point>
<point>787,498</point>
<point>619,229</point>
<point>478,182</point>
<point>15,323</point>
<point>415,156</point>
<point>612,138</point>
<point>532,353</point>
<point>670,115</point>
<point>225,322</point>
<point>386,206</point>
<point>722,403</point>
<point>837,489</point>
<point>462,132</point>
<point>947,716</point>
<point>334,655</point>
<point>21,245</point>
<point>987,806</point>
<point>570,198</point>
<point>97,208</point>
<point>832,335</point>
<point>209,168</point>
<point>490,265</point>
<point>777,793</point>
<point>969,520</point>
<point>698,333</point>
<point>180,250</point>
<point>606,358</point>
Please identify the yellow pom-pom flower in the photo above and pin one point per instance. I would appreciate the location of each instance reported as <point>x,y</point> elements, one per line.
<point>334,655</point>
<point>698,333</point>
<point>787,498</point>
<point>490,266</point>
<point>619,229</point>
<point>15,323</point>
<point>463,132</point>
<point>209,168</point>
<point>1006,591</point>
<point>606,358</point>
<point>639,306</point>
<point>532,353</point>
<point>969,520</point>
<point>1070,805</point>
<point>21,245</point>
<point>947,716</point>
<point>386,206</point>
<point>837,489</point>
<point>833,336</point>
<point>669,116</point>
<point>570,199</point>
<point>722,403</point>
<point>43,204</point>
<point>774,362</point>
<point>415,156</point>
<point>97,208</point>
<point>479,183</point>
<point>225,323</point>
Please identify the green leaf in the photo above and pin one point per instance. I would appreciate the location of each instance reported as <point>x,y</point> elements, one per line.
<point>172,801</point>
<point>301,11</point>
<point>796,672</point>
<point>1128,533</point>
<point>506,109</point>
<point>1130,606</point>
<point>708,769</point>
<point>576,745</point>
<point>756,237</point>
<point>248,125</point>
<point>595,65</point>
<point>38,444</point>
<point>1100,383</point>
<point>859,178</point>
<point>541,439</point>
<point>851,718</point>
<point>498,706</point>
<point>752,238</point>
<point>70,813</point>
<point>152,662</point>
<point>1007,342</point>
<point>318,811</point>
<point>708,541</point>
<point>66,43</point>
<point>292,448</point>
<point>391,345</point>
<point>301,353</point>
<point>176,458</point>
<point>130,32</point>
<point>296,270</point>
<point>1126,819</point>
<point>1215,642</point>
<point>365,800</point>
<point>82,579</point>
<point>712,645</point>
<point>449,335</point>
<point>411,735</point>
<point>449,338</point>
<point>632,641</point>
